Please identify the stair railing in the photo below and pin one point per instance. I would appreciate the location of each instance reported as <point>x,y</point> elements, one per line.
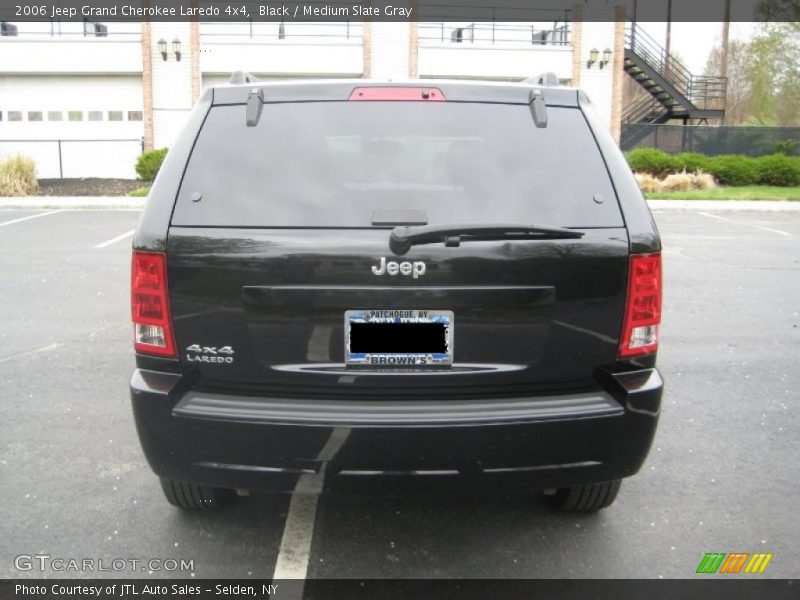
<point>709,92</point>
<point>702,91</point>
<point>644,109</point>
<point>651,52</point>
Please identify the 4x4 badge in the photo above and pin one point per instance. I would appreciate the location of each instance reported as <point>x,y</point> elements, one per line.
<point>209,354</point>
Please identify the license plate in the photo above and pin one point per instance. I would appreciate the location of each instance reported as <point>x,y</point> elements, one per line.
<point>398,338</point>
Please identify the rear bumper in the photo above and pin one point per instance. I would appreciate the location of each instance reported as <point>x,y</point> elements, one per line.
<point>428,447</point>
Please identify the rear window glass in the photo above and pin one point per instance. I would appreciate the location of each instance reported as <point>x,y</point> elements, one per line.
<point>334,164</point>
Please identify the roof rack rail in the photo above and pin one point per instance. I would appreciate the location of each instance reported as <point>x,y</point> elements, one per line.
<point>548,79</point>
<point>255,102</point>
<point>538,108</point>
<point>238,77</point>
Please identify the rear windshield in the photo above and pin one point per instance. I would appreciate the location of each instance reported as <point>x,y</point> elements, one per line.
<point>338,164</point>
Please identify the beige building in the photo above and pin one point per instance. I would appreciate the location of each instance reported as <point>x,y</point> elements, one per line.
<point>84,103</point>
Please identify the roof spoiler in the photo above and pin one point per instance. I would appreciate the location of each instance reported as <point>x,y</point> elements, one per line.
<point>239,77</point>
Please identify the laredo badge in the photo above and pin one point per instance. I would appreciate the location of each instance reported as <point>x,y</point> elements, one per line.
<point>209,354</point>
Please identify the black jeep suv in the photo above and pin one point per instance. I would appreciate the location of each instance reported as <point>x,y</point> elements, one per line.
<point>390,287</point>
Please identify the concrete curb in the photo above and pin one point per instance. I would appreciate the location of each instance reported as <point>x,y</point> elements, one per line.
<point>130,203</point>
<point>74,202</point>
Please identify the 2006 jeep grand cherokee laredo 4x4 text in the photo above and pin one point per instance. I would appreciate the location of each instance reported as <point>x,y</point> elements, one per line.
<point>436,289</point>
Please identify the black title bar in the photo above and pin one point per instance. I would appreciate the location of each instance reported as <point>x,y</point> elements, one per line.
<point>394,10</point>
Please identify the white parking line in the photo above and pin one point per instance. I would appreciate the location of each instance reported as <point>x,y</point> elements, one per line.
<point>29,217</point>
<point>114,240</point>
<point>705,214</point>
<point>298,531</point>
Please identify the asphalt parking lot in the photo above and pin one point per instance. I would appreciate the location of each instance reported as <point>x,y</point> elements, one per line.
<point>723,474</point>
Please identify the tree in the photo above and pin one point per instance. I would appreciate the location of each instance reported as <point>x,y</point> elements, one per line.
<point>776,62</point>
<point>739,89</point>
<point>784,11</point>
<point>763,76</point>
<point>774,72</point>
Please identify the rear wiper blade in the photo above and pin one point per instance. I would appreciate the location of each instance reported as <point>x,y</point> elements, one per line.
<point>403,238</point>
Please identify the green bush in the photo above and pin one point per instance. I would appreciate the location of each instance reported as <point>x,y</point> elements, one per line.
<point>148,163</point>
<point>652,161</point>
<point>140,192</point>
<point>17,176</point>
<point>784,147</point>
<point>733,169</point>
<point>692,162</point>
<point>730,169</point>
<point>778,170</point>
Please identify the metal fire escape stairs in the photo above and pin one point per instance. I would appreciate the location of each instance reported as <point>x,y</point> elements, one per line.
<point>673,92</point>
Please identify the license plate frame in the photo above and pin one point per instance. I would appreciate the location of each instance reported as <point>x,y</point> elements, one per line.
<point>381,359</point>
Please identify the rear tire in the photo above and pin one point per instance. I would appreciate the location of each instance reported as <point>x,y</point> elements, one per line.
<point>587,498</point>
<point>190,496</point>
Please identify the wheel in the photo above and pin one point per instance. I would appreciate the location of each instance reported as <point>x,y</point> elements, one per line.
<point>190,496</point>
<point>589,497</point>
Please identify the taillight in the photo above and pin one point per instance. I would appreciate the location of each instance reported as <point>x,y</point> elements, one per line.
<point>152,324</point>
<point>643,308</point>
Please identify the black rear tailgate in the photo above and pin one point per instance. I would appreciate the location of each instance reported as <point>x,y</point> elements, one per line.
<point>282,243</point>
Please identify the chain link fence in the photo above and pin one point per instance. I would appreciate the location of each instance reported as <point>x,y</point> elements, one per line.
<point>750,141</point>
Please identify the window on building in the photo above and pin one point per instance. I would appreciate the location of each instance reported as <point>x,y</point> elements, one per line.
<point>95,115</point>
<point>34,115</point>
<point>55,115</point>
<point>134,115</point>
<point>15,115</point>
<point>115,115</point>
<point>1,115</point>
<point>75,115</point>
